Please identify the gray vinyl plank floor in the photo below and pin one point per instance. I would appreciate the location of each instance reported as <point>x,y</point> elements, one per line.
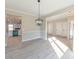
<point>36,49</point>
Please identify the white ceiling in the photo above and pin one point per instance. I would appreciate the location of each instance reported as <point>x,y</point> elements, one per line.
<point>31,6</point>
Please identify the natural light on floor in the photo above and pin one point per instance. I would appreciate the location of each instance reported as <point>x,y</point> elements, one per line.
<point>58,46</point>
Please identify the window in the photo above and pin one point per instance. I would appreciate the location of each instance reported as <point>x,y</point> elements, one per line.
<point>10,27</point>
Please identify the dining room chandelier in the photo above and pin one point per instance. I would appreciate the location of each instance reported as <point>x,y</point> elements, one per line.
<point>39,21</point>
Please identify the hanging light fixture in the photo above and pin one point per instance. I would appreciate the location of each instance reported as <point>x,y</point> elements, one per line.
<point>39,21</point>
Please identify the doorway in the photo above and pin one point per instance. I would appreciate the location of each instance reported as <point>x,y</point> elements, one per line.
<point>13,30</point>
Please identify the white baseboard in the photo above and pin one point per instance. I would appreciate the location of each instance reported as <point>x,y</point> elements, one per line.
<point>31,35</point>
<point>29,39</point>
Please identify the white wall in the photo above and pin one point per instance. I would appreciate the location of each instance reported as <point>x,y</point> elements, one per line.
<point>42,29</point>
<point>50,28</point>
<point>29,29</point>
